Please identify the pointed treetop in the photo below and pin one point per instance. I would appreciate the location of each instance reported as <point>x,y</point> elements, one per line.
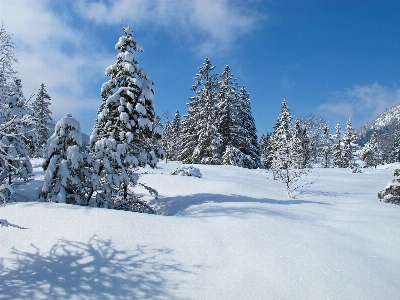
<point>128,43</point>
<point>128,31</point>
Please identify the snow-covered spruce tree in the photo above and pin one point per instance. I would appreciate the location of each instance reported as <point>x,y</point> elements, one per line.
<point>233,156</point>
<point>227,108</point>
<point>271,148</point>
<point>41,113</point>
<point>68,172</point>
<point>176,133</point>
<point>308,156</point>
<point>167,138</point>
<point>208,147</point>
<point>15,122</point>
<point>125,123</point>
<point>337,148</point>
<point>349,146</point>
<point>391,193</point>
<point>155,141</point>
<point>7,58</point>
<point>264,139</point>
<point>325,148</point>
<point>190,122</point>
<point>189,131</point>
<point>285,165</point>
<point>17,135</point>
<point>370,153</point>
<point>246,133</point>
<point>301,151</point>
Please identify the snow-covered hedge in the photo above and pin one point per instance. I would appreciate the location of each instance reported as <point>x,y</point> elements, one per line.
<point>187,171</point>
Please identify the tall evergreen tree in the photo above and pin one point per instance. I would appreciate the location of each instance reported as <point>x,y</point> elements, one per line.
<point>246,138</point>
<point>167,138</point>
<point>17,135</point>
<point>370,153</point>
<point>300,147</point>
<point>337,148</point>
<point>282,138</point>
<point>7,59</point>
<point>191,121</point>
<point>16,124</point>
<point>189,131</point>
<point>349,146</point>
<point>227,109</point>
<point>272,146</point>
<point>41,113</point>
<point>307,147</point>
<point>287,162</point>
<point>207,148</point>
<point>325,148</point>
<point>125,122</point>
<point>264,150</point>
<point>176,136</point>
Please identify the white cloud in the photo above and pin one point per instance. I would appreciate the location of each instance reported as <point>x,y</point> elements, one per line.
<point>53,51</point>
<point>342,109</point>
<point>211,25</point>
<point>40,37</point>
<point>361,103</point>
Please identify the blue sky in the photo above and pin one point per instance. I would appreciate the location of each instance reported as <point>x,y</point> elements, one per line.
<point>334,59</point>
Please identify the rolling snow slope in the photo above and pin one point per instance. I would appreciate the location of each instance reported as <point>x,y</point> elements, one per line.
<point>232,234</point>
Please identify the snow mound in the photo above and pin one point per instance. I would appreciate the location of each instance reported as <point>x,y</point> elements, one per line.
<point>187,171</point>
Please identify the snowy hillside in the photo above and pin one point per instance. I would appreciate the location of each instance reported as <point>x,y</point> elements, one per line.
<point>232,234</point>
<point>384,122</point>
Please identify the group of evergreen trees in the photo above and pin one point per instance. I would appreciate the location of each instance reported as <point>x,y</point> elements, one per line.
<point>122,139</point>
<point>219,127</point>
<point>312,142</point>
<point>171,139</point>
<point>286,151</point>
<point>24,126</point>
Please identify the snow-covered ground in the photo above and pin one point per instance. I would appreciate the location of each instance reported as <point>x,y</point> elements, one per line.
<point>232,234</point>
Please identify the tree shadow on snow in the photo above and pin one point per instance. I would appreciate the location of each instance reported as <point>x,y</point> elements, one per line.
<point>171,206</point>
<point>93,270</point>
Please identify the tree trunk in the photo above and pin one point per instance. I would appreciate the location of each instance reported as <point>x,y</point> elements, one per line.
<point>125,191</point>
<point>9,172</point>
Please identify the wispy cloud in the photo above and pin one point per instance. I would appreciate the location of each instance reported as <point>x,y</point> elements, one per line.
<point>51,52</point>
<point>212,26</point>
<point>360,103</point>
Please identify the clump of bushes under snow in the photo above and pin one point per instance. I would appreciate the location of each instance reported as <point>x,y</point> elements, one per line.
<point>187,171</point>
<point>391,193</point>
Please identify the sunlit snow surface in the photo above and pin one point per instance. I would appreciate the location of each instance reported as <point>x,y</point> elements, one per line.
<point>232,234</point>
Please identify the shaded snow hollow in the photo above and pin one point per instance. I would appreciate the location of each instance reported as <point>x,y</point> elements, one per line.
<point>232,234</point>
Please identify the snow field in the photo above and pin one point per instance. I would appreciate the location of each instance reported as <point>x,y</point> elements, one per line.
<point>232,234</point>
